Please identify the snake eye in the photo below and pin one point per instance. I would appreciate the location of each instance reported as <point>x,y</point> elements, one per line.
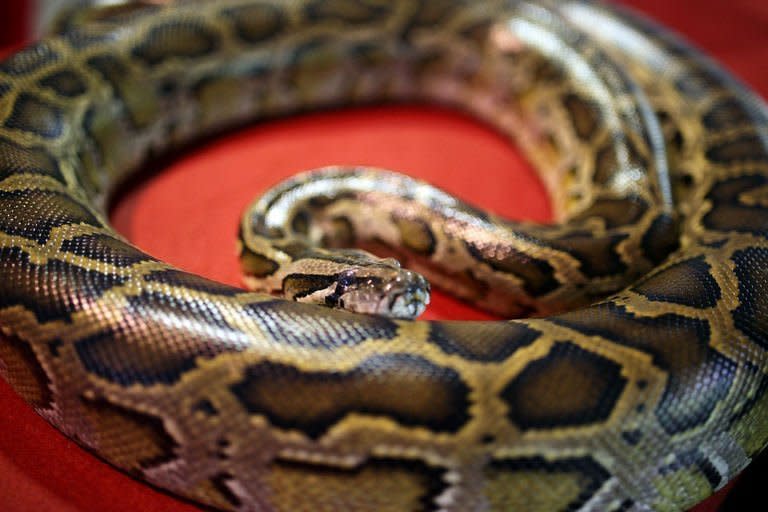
<point>346,279</point>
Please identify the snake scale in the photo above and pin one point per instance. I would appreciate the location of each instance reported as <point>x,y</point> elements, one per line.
<point>657,163</point>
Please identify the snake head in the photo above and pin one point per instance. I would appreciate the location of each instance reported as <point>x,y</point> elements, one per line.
<point>377,286</point>
<point>385,289</point>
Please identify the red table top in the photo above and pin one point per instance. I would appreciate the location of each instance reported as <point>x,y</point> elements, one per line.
<point>185,217</point>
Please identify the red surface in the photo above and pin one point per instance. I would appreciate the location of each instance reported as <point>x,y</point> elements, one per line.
<point>187,214</point>
<point>14,15</point>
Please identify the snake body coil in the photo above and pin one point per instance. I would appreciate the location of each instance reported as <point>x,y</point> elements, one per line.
<point>657,162</point>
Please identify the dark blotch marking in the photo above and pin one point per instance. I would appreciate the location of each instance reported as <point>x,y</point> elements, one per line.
<point>34,213</point>
<point>296,248</point>
<point>409,389</point>
<point>253,263</point>
<point>144,441</point>
<point>102,355</point>
<point>128,359</point>
<point>129,89</point>
<point>302,325</point>
<point>677,141</point>
<point>110,68</point>
<point>65,83</point>
<point>477,32</point>
<point>312,56</point>
<point>369,54</point>
<point>191,281</point>
<point>296,286</point>
<point>341,233</point>
<point>256,23</point>
<point>585,115</point>
<point>688,282</point>
<point>616,212</point>
<point>346,11</point>
<point>597,256</point>
<point>661,239</point>
<point>742,148</point>
<point>678,345</point>
<point>416,235</point>
<point>751,316</point>
<point>135,357</point>
<point>548,71</point>
<point>428,15</point>
<point>606,164</point>
<point>15,159</point>
<point>176,40</point>
<point>729,213</point>
<point>727,113</point>
<point>538,275</point>
<point>481,341</point>
<point>23,371</point>
<point>315,202</point>
<point>300,222</point>
<point>109,249</point>
<point>33,115</point>
<point>568,387</point>
<point>257,265</point>
<point>695,84</point>
<point>53,290</point>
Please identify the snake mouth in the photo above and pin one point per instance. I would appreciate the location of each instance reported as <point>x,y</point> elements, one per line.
<point>407,298</point>
<point>409,304</point>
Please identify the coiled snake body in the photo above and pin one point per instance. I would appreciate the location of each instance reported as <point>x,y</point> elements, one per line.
<point>657,162</point>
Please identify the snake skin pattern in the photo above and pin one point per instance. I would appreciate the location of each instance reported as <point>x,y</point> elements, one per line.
<point>657,162</point>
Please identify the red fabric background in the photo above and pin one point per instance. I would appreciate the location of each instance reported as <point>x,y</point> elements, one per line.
<point>187,214</point>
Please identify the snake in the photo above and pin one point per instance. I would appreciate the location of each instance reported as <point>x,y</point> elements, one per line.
<point>630,372</point>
